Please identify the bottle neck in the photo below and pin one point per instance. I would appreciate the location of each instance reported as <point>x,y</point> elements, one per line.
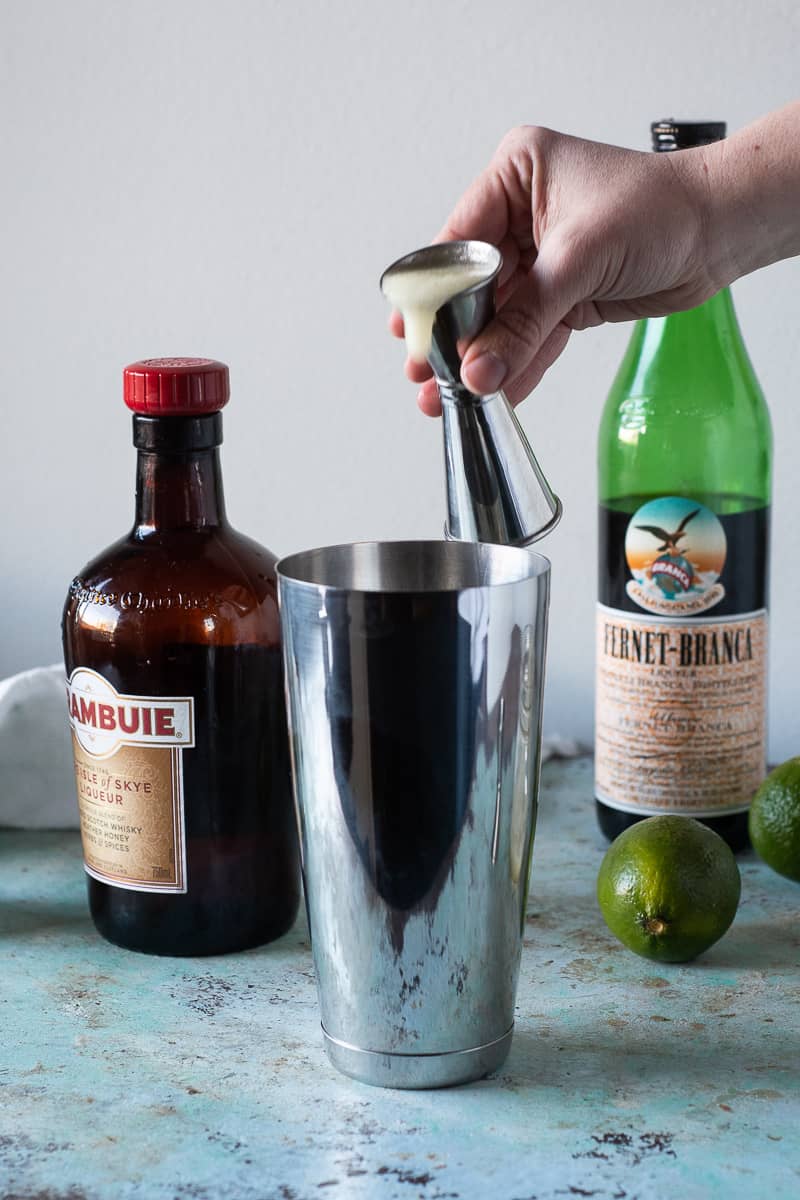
<point>712,324</point>
<point>685,349</point>
<point>178,474</point>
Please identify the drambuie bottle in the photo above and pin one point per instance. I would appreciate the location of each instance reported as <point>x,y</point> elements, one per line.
<point>174,689</point>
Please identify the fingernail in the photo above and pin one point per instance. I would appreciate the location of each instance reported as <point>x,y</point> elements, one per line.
<point>485,374</point>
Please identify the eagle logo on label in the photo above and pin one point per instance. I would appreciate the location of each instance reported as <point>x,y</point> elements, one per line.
<point>675,549</point>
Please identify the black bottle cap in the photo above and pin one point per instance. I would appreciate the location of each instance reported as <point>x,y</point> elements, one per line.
<point>682,135</point>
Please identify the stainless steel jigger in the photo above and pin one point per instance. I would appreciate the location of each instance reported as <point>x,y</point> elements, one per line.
<point>496,491</point>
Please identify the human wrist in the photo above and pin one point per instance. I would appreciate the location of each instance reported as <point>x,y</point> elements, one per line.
<point>718,247</point>
<point>737,236</point>
<point>751,181</point>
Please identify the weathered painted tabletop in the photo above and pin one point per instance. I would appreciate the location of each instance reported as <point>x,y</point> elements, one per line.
<point>127,1076</point>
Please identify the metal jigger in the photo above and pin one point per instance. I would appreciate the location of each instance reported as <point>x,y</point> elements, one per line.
<point>496,491</point>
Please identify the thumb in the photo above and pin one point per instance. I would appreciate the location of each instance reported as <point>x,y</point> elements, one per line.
<point>505,349</point>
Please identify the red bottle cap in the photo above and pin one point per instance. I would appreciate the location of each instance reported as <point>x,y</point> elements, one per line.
<point>176,387</point>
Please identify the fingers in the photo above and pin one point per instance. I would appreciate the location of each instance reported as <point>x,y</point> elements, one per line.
<point>507,353</point>
<point>496,208</point>
<point>428,396</point>
<point>481,213</point>
<point>510,343</point>
<point>428,399</point>
<point>539,309</point>
<point>417,372</point>
<point>526,337</point>
<point>510,251</point>
<point>552,347</point>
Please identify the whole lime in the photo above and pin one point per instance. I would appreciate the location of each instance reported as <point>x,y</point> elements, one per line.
<point>774,820</point>
<point>668,888</point>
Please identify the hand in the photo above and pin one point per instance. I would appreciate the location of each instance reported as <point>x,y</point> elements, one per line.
<point>588,233</point>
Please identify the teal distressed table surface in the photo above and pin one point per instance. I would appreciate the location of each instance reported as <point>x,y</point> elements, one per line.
<point>126,1076</point>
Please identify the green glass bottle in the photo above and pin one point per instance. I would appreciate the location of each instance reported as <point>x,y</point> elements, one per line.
<point>684,462</point>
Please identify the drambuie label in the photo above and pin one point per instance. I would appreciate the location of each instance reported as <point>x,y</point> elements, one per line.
<point>102,719</point>
<point>128,753</point>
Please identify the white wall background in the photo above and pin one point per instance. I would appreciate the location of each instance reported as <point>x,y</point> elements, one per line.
<point>229,179</point>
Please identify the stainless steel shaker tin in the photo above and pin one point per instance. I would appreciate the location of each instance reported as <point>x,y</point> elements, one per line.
<point>414,675</point>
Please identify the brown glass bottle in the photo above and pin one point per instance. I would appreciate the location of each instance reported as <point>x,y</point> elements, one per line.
<point>173,632</point>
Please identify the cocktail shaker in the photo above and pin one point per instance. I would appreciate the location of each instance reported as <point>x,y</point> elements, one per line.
<point>414,676</point>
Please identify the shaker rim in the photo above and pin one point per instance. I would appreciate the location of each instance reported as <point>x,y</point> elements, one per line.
<point>334,568</point>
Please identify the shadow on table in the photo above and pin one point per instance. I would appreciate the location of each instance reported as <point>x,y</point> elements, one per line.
<point>25,918</point>
<point>756,945</point>
<point>585,1059</point>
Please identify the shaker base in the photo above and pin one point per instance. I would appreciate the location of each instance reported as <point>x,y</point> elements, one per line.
<point>417,1070</point>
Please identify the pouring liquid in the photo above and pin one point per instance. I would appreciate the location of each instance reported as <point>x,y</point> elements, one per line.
<point>419,292</point>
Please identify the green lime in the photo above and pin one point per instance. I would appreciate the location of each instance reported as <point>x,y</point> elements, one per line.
<point>774,820</point>
<point>668,888</point>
